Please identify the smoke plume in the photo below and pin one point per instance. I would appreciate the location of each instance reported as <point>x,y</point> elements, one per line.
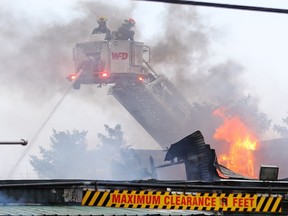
<point>38,57</point>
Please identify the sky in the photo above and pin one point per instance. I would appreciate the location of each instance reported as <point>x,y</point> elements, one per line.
<point>36,56</point>
<point>257,41</point>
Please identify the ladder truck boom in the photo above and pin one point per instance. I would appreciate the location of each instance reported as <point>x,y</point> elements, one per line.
<point>149,97</point>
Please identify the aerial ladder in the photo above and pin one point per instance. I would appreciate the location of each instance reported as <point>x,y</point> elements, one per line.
<point>152,100</point>
<point>158,107</point>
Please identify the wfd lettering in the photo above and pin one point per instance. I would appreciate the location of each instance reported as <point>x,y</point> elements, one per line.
<point>119,55</point>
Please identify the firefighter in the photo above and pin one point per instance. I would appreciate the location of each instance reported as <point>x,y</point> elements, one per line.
<point>102,28</point>
<point>124,32</point>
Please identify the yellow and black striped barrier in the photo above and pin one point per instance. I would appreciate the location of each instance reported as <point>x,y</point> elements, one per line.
<point>237,202</point>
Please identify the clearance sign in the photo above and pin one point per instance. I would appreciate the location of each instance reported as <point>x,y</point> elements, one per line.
<point>170,200</point>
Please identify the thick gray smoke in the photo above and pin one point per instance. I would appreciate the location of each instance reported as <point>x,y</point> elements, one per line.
<point>183,55</point>
<point>37,59</point>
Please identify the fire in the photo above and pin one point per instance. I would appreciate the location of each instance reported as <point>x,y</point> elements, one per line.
<point>242,143</point>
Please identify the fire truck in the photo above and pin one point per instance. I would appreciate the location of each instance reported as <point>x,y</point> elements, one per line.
<point>148,96</point>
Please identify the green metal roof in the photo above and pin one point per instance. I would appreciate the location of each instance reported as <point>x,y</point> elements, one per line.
<point>87,210</point>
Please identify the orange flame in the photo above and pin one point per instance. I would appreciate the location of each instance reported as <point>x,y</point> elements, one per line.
<point>242,144</point>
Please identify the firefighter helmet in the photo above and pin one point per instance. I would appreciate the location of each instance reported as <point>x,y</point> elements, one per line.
<point>130,21</point>
<point>102,19</point>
